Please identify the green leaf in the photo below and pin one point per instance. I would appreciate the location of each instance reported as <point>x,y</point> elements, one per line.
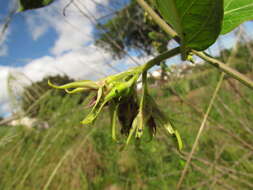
<point>76,90</point>
<point>162,121</point>
<point>140,126</point>
<point>122,89</point>
<point>33,4</point>
<point>99,96</point>
<point>169,128</point>
<point>179,140</point>
<point>197,22</point>
<point>133,128</point>
<point>235,13</point>
<point>113,108</point>
<point>79,84</point>
<point>91,117</point>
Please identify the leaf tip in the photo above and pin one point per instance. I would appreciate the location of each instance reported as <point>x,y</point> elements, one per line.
<point>179,140</point>
<point>51,84</point>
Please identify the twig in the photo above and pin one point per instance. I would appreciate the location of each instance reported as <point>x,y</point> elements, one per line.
<point>157,60</point>
<point>226,69</point>
<point>228,187</point>
<point>5,26</point>
<point>233,86</point>
<point>214,165</point>
<point>66,6</point>
<point>219,175</point>
<point>202,126</point>
<point>158,20</point>
<point>93,20</point>
<point>242,123</point>
<point>212,61</point>
<point>8,120</point>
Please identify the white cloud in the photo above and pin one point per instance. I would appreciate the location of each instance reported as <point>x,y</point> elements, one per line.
<point>3,83</point>
<point>72,53</point>
<point>85,63</point>
<point>4,107</point>
<point>5,32</point>
<point>37,27</point>
<point>5,29</point>
<point>74,30</point>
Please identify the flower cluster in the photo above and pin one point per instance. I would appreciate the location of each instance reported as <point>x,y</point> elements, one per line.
<point>119,93</point>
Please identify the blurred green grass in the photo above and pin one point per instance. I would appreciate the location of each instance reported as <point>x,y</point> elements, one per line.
<point>71,156</point>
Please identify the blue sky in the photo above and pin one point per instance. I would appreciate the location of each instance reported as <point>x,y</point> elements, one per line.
<point>43,42</point>
<point>20,43</point>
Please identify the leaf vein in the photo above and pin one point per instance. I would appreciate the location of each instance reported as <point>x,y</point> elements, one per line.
<point>238,9</point>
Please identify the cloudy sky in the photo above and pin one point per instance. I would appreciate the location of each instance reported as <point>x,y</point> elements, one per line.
<point>43,42</point>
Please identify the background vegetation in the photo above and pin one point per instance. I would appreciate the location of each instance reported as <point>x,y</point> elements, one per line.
<point>68,155</point>
<point>71,156</point>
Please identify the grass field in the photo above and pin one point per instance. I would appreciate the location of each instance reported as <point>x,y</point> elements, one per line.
<point>69,156</point>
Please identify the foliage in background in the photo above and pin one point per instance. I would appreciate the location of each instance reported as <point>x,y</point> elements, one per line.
<point>195,25</point>
<point>68,156</point>
<point>203,73</point>
<point>131,29</point>
<point>37,90</point>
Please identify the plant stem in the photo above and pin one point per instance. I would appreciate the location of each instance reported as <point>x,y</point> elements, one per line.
<point>157,19</point>
<point>137,71</point>
<point>226,69</point>
<point>203,123</point>
<point>160,58</point>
